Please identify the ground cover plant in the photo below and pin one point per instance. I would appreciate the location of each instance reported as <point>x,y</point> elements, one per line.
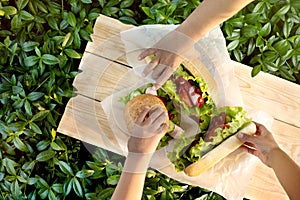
<point>41,43</point>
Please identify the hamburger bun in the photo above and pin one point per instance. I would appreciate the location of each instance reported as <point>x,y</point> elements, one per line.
<point>219,152</point>
<point>134,107</point>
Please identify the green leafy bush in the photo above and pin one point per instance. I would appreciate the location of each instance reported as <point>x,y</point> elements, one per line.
<point>266,35</point>
<point>39,44</point>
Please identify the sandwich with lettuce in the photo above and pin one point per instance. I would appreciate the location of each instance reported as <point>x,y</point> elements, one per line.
<point>186,94</point>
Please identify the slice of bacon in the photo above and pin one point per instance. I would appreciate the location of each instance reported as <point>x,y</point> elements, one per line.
<point>216,122</point>
<point>189,94</point>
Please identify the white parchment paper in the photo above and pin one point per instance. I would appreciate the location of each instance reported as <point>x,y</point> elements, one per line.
<point>231,175</point>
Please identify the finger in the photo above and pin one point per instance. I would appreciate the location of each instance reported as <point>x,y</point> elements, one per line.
<point>146,53</point>
<point>164,76</point>
<point>141,118</point>
<point>162,129</point>
<point>252,151</point>
<point>155,113</point>
<point>249,150</point>
<point>250,145</point>
<point>154,62</point>
<point>158,71</point>
<point>159,120</point>
<point>259,128</point>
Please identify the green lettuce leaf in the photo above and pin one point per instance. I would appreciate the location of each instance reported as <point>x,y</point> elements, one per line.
<point>170,88</point>
<point>133,94</point>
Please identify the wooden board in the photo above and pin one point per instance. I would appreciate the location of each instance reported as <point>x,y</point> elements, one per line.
<point>104,63</point>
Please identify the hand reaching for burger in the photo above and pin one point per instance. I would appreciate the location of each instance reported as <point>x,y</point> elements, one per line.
<point>147,131</point>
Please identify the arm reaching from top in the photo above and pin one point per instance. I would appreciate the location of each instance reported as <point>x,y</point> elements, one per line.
<point>263,145</point>
<point>171,50</point>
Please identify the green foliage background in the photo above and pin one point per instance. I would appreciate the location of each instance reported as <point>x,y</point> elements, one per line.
<point>41,43</point>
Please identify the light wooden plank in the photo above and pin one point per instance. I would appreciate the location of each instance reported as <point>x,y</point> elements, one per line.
<point>106,39</point>
<point>264,185</point>
<point>100,78</point>
<point>85,120</point>
<point>278,97</point>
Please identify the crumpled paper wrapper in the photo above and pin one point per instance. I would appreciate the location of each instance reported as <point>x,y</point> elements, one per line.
<point>231,175</point>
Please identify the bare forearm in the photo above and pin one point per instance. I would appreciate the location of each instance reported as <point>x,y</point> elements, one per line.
<point>287,172</point>
<point>130,187</point>
<point>131,183</point>
<point>209,14</point>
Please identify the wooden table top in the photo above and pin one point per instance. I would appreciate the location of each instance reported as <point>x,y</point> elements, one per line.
<point>104,62</point>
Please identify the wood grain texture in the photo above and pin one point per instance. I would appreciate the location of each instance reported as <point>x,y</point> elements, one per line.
<point>278,97</point>
<point>100,77</point>
<point>85,120</point>
<point>104,65</point>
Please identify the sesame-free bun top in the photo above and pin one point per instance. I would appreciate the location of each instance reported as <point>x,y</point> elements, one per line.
<point>135,106</point>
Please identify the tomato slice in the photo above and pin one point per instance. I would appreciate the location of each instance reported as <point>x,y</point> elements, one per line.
<point>200,102</point>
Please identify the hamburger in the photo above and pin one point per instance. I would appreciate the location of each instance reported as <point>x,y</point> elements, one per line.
<point>187,94</point>
<point>135,106</point>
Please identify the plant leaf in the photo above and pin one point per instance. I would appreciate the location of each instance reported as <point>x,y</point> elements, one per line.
<point>255,70</point>
<point>286,74</point>
<point>86,1</point>
<point>85,173</point>
<point>9,10</point>
<point>232,45</point>
<point>40,115</point>
<point>33,96</point>
<point>57,187</point>
<point>77,187</point>
<point>31,60</point>
<point>265,30</point>
<point>22,3</point>
<point>68,39</point>
<point>67,187</point>
<point>45,155</point>
<point>19,144</point>
<point>52,22</point>
<point>26,15</point>
<point>105,193</point>
<point>126,3</point>
<point>29,46</point>
<point>72,53</point>
<point>28,108</point>
<point>65,168</point>
<point>35,128</point>
<point>72,19</point>
<point>113,180</point>
<point>10,166</point>
<point>49,59</point>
